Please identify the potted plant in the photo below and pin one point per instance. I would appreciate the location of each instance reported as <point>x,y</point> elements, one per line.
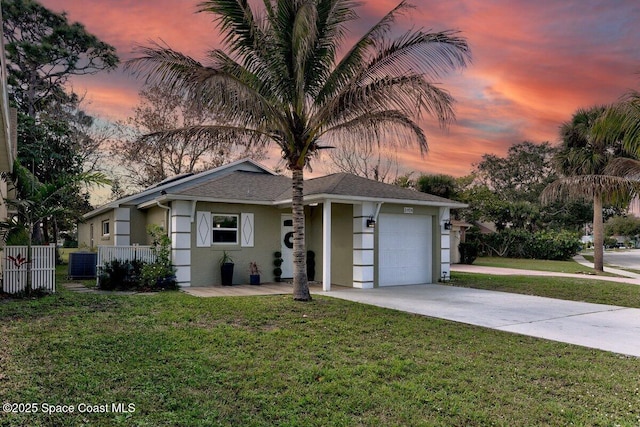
<point>254,273</point>
<point>277,262</point>
<point>226,269</point>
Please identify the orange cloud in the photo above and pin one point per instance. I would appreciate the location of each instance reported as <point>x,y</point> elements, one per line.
<point>534,63</point>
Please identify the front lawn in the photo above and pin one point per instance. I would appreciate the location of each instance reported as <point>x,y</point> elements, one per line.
<point>265,361</point>
<point>534,264</point>
<point>571,289</point>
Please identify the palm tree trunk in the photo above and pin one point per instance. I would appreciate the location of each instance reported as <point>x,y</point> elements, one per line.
<point>300,283</point>
<point>598,234</point>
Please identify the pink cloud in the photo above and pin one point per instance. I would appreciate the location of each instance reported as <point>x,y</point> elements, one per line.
<point>534,63</point>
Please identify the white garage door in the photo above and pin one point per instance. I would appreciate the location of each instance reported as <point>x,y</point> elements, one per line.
<point>405,249</point>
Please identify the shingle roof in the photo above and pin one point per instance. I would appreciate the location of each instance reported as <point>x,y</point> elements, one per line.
<point>346,184</point>
<point>260,187</point>
<point>240,185</point>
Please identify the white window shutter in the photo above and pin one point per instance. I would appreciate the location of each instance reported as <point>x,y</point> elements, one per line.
<point>247,230</point>
<point>203,229</point>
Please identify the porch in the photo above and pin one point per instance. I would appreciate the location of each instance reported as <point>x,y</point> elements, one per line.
<point>272,288</point>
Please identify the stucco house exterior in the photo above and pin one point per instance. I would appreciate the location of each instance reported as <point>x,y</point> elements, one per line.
<point>8,133</point>
<point>363,233</point>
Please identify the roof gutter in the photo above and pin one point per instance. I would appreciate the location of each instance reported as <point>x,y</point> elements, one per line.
<point>351,199</point>
<point>168,216</point>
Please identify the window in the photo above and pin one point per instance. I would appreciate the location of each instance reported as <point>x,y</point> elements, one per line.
<point>105,228</point>
<point>225,229</point>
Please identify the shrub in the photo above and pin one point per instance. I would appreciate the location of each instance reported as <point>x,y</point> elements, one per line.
<point>161,273</point>
<point>557,245</point>
<point>468,252</point>
<point>158,276</point>
<point>120,275</point>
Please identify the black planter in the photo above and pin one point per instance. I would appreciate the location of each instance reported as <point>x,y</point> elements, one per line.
<point>226,271</point>
<point>254,279</point>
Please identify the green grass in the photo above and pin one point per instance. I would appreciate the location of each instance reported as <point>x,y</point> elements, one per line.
<point>264,361</point>
<point>64,253</point>
<point>588,290</point>
<point>62,272</point>
<point>533,264</point>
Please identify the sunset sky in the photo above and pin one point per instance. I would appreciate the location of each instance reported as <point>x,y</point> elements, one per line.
<point>534,63</point>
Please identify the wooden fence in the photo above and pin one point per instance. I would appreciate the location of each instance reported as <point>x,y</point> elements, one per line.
<point>15,267</point>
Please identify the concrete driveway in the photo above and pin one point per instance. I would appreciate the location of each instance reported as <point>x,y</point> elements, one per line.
<point>604,327</point>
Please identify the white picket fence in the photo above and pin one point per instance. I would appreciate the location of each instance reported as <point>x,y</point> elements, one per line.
<point>123,253</point>
<point>15,267</point>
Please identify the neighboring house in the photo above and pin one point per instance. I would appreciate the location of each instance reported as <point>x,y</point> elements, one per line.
<point>8,132</point>
<point>457,235</point>
<point>244,209</point>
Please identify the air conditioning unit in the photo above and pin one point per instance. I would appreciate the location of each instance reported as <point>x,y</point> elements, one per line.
<point>82,265</point>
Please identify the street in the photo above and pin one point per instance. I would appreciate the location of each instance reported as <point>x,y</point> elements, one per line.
<point>625,258</point>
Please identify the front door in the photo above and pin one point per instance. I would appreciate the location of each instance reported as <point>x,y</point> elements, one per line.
<point>286,242</point>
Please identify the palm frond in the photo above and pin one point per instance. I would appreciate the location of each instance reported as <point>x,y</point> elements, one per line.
<point>410,94</point>
<point>629,109</point>
<point>625,167</point>
<point>354,60</point>
<point>393,128</point>
<point>237,24</point>
<point>612,189</point>
<point>226,87</point>
<point>304,38</point>
<point>333,18</point>
<point>234,135</point>
<point>431,54</point>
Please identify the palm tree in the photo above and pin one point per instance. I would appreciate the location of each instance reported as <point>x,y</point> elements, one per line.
<point>584,160</point>
<point>36,202</point>
<point>623,121</point>
<point>279,81</point>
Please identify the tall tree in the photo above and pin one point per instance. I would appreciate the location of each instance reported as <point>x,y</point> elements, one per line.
<point>522,174</point>
<point>279,81</point>
<point>159,155</point>
<point>43,51</point>
<point>583,161</point>
<point>517,180</point>
<point>440,185</point>
<point>364,160</point>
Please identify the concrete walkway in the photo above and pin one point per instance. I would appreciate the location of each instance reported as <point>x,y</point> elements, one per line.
<point>582,261</point>
<point>604,327</point>
<point>631,278</point>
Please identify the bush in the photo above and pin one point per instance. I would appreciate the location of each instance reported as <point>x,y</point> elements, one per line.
<point>610,242</point>
<point>158,276</point>
<point>468,252</point>
<point>557,245</point>
<point>120,275</point>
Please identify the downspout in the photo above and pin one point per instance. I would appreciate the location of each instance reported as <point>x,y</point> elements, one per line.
<point>378,206</point>
<point>168,217</point>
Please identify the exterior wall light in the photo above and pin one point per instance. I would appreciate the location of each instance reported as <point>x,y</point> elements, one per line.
<point>447,225</point>
<point>371,223</point>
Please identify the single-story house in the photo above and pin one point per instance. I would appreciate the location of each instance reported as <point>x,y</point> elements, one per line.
<point>362,233</point>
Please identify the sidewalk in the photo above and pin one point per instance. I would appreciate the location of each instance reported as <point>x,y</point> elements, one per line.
<point>580,260</point>
<point>631,278</point>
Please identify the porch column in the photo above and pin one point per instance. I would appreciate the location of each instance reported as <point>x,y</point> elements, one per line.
<point>122,227</point>
<point>326,246</point>
<point>363,246</point>
<point>181,241</point>
<point>445,246</point>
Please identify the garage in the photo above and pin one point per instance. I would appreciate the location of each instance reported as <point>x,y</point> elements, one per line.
<point>405,249</point>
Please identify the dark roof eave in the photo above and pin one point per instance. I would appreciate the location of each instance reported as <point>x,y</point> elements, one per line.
<point>186,198</point>
<point>344,198</point>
